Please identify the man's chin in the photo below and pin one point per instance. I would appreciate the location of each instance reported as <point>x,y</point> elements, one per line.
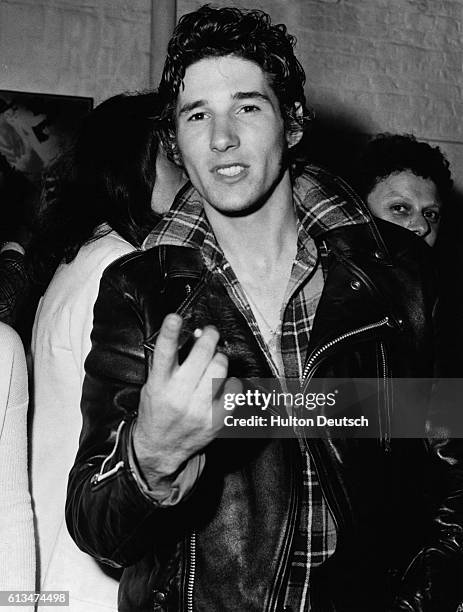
<point>241,210</point>
<point>236,207</point>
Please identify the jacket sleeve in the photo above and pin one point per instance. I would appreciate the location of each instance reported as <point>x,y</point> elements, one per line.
<point>433,580</point>
<point>109,510</point>
<point>17,546</point>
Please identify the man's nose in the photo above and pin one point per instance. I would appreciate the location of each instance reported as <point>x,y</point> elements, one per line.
<point>224,135</point>
<point>420,226</point>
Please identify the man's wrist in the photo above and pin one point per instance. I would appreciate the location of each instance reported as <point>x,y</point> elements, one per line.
<point>165,489</point>
<point>157,468</point>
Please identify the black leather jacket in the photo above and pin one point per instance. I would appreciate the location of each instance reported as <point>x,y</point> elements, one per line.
<point>397,504</point>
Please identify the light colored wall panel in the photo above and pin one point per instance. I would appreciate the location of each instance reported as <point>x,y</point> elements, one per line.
<point>372,65</point>
<point>91,47</point>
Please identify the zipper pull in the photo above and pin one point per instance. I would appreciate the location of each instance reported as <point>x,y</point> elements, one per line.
<point>324,253</point>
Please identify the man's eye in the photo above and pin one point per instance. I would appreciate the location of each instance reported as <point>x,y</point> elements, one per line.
<point>197,116</point>
<point>248,108</point>
<point>432,215</point>
<point>399,208</point>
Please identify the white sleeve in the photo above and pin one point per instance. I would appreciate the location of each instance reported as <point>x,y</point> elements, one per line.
<point>17,547</point>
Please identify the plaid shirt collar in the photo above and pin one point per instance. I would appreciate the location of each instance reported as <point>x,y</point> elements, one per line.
<point>322,201</point>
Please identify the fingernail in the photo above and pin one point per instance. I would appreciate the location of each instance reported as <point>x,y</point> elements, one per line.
<point>173,320</point>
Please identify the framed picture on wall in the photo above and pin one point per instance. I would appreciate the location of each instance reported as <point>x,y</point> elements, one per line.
<point>35,128</point>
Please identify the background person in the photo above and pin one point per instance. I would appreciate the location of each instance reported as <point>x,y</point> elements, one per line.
<point>116,180</point>
<point>409,183</point>
<point>17,203</point>
<point>17,545</point>
<point>406,182</point>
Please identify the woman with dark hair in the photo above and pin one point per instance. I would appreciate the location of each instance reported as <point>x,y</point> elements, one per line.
<point>105,183</point>
<point>108,194</point>
<point>406,182</point>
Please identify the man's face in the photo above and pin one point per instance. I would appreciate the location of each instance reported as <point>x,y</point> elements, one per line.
<point>408,200</point>
<point>230,133</point>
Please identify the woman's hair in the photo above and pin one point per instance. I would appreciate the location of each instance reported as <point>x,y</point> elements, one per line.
<point>248,34</point>
<point>387,154</point>
<point>17,200</point>
<point>106,177</point>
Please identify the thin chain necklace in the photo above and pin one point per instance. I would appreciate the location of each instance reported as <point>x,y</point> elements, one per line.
<point>273,331</point>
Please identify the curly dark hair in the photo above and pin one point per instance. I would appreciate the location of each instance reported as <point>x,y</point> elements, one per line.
<point>387,153</point>
<point>106,177</point>
<point>249,34</point>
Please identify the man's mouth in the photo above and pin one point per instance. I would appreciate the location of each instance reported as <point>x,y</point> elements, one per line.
<point>230,171</point>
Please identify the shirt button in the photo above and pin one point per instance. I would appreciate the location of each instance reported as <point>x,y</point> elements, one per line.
<point>355,285</point>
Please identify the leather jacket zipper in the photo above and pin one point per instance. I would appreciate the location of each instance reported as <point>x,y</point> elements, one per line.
<point>386,438</point>
<point>280,573</point>
<point>286,548</point>
<point>191,571</point>
<point>308,373</point>
<point>355,332</point>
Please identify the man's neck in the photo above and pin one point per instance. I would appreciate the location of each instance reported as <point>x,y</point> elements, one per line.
<point>261,248</point>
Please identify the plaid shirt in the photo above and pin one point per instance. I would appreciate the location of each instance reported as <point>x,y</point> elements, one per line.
<point>322,202</point>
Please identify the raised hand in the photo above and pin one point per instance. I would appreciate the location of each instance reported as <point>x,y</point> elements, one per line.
<point>176,403</point>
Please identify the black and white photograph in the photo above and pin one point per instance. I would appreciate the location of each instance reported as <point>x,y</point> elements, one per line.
<point>231,322</point>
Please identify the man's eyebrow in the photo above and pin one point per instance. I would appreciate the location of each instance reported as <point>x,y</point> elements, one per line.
<point>239,95</point>
<point>246,95</point>
<point>186,108</point>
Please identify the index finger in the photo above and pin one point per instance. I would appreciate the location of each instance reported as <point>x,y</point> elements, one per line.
<point>165,357</point>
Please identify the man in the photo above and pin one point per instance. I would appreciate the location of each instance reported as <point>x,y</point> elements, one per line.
<point>285,276</point>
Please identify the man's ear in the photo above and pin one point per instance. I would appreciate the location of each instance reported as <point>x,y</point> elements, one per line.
<point>295,131</point>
